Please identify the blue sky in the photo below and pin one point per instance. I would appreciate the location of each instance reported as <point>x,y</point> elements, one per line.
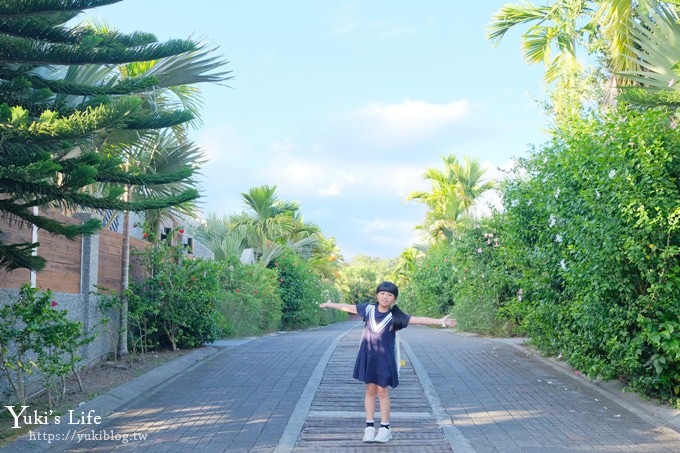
<point>344,104</point>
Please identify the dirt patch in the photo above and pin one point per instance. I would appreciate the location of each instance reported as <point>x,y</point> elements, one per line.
<point>96,380</point>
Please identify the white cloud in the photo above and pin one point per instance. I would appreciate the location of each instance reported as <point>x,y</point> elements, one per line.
<point>309,175</point>
<point>409,121</point>
<point>341,180</point>
<point>382,231</point>
<point>222,144</point>
<point>283,147</point>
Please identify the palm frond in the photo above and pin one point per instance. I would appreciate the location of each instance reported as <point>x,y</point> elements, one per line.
<point>513,14</point>
<point>657,39</point>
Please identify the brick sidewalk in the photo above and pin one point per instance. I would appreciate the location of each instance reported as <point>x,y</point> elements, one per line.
<point>503,399</point>
<point>294,391</point>
<point>240,399</point>
<point>336,420</point>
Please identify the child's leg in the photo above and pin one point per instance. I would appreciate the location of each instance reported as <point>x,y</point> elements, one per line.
<point>384,395</point>
<point>369,401</point>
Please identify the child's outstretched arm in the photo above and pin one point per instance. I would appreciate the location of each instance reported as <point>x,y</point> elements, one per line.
<point>425,321</point>
<point>342,307</point>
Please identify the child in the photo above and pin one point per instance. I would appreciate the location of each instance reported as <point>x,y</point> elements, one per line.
<point>376,364</point>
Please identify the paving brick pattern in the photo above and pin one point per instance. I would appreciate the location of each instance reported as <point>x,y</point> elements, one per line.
<point>504,400</point>
<point>337,419</point>
<point>239,400</point>
<point>492,396</point>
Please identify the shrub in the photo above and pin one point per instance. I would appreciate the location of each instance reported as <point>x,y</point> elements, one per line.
<point>593,220</point>
<point>433,284</point>
<point>250,303</point>
<point>486,282</point>
<point>176,303</point>
<point>36,336</point>
<point>301,291</point>
<point>467,279</point>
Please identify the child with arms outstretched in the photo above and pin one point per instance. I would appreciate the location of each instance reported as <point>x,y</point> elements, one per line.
<point>376,363</point>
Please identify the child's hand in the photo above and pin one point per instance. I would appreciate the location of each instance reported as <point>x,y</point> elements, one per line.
<point>448,322</point>
<point>326,304</point>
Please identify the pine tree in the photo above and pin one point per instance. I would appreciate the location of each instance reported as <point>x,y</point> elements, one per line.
<point>51,124</point>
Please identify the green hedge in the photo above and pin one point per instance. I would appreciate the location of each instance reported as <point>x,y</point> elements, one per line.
<point>593,220</point>
<point>251,302</point>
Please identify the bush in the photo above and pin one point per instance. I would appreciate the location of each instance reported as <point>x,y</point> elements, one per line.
<point>250,303</point>
<point>301,292</point>
<point>593,222</point>
<point>36,336</point>
<point>176,303</point>
<point>486,282</point>
<point>467,279</point>
<point>432,288</point>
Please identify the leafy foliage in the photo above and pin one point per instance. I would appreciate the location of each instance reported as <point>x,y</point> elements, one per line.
<point>432,288</point>
<point>362,277</point>
<point>301,291</point>
<point>593,220</point>
<point>36,336</point>
<point>250,303</point>
<point>60,103</point>
<point>178,297</point>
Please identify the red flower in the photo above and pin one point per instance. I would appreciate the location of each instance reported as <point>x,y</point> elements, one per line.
<point>281,279</point>
<point>181,231</point>
<point>145,235</point>
<point>53,303</point>
<point>237,290</point>
<point>276,264</point>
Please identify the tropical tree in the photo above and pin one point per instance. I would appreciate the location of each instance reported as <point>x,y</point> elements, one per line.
<point>158,151</point>
<point>560,30</point>
<point>655,37</point>
<point>454,191</point>
<point>326,259</point>
<point>273,224</point>
<point>360,278</point>
<point>406,266</point>
<point>218,235</point>
<point>46,154</point>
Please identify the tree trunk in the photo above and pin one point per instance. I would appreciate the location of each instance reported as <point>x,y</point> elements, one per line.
<point>125,278</point>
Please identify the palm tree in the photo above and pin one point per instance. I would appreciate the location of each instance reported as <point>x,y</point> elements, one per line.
<point>326,258</point>
<point>454,192</point>
<point>560,30</point>
<point>152,151</point>
<point>406,266</point>
<point>552,41</point>
<point>218,235</point>
<point>655,44</point>
<point>273,224</point>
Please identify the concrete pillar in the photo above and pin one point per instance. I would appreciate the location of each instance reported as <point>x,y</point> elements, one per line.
<point>89,277</point>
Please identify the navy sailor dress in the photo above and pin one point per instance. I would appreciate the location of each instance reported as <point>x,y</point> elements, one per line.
<point>377,361</point>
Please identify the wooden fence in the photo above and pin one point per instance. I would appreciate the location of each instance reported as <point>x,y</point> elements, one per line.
<point>63,272</point>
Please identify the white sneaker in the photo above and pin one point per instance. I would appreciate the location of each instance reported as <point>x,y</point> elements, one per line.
<point>384,435</point>
<point>369,434</point>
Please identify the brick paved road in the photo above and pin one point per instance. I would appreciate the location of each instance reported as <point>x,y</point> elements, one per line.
<point>294,392</point>
<point>336,419</point>
<point>503,400</point>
